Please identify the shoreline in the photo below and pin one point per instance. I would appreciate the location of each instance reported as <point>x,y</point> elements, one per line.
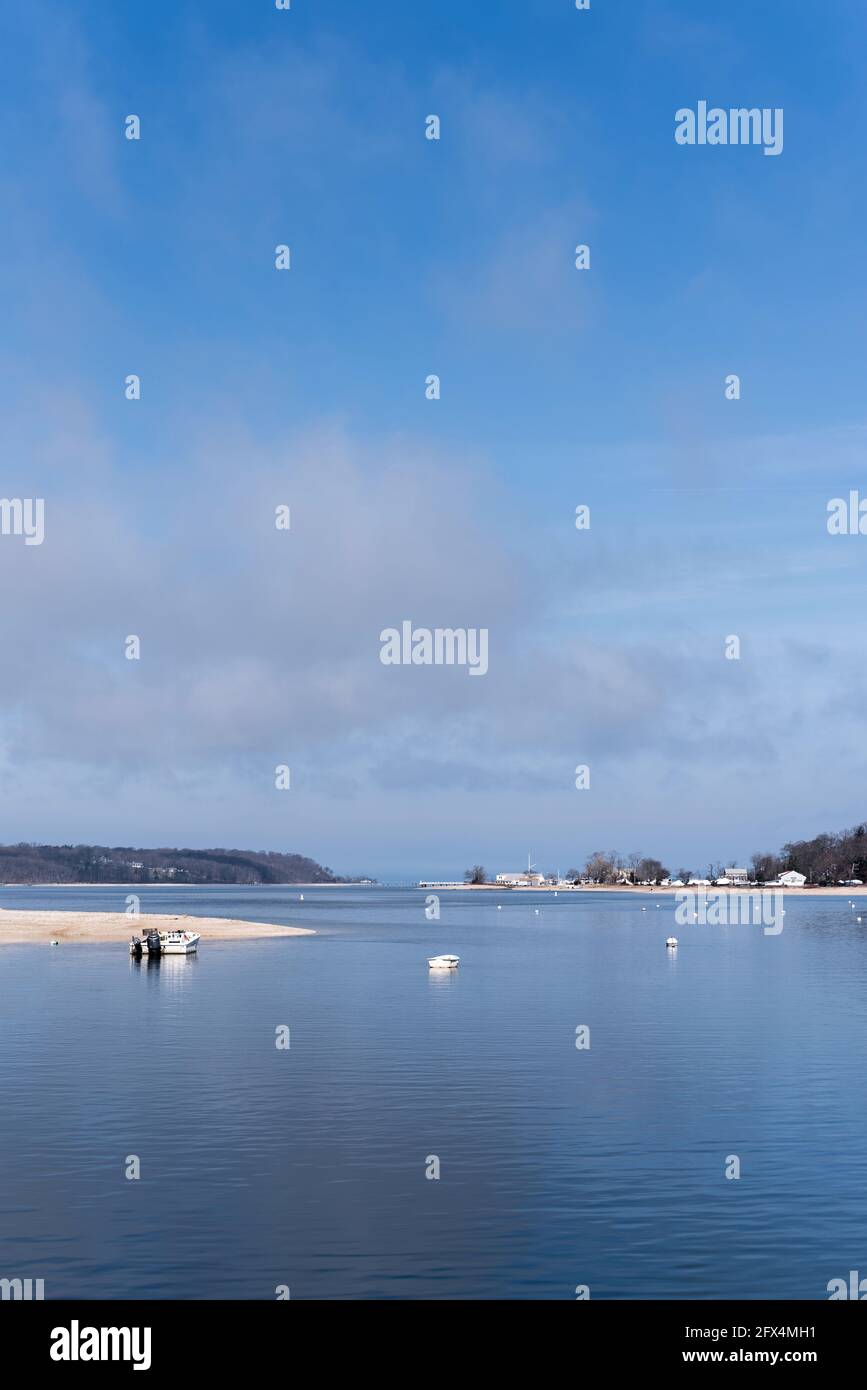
<point>637,888</point>
<point>137,883</point>
<point>23,928</point>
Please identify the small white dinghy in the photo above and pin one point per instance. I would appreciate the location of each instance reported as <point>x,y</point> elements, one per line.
<point>443,962</point>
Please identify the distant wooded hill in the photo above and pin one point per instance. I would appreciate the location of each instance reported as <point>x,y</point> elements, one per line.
<point>99,864</point>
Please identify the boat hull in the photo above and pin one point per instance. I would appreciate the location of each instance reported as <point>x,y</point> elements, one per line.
<point>170,944</point>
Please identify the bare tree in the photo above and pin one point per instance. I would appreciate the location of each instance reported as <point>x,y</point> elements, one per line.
<point>602,866</point>
<point>765,867</point>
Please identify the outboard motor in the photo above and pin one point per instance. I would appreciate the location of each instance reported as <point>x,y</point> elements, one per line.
<point>153,940</point>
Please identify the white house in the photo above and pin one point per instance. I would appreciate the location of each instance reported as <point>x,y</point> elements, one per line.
<point>792,879</point>
<point>737,875</point>
<point>521,880</point>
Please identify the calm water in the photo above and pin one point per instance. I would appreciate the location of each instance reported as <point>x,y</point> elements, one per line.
<point>559,1167</point>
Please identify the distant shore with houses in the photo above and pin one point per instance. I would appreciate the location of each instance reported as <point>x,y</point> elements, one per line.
<point>733,881</point>
<point>829,864</point>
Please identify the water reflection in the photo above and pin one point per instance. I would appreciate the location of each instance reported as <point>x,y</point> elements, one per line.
<point>170,971</point>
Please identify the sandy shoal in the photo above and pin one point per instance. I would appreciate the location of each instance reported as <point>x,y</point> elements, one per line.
<point>17,927</point>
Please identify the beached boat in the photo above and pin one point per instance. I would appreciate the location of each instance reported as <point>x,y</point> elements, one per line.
<point>444,962</point>
<point>165,943</point>
<point>178,943</point>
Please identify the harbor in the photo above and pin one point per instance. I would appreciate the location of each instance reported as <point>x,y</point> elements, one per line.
<point>546,1147</point>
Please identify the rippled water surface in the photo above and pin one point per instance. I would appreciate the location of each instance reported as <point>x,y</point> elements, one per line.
<point>558,1166</point>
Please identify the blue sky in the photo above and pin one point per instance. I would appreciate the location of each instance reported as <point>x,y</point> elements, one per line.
<point>558,387</point>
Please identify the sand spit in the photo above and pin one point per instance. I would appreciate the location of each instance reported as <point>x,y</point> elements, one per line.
<point>22,927</point>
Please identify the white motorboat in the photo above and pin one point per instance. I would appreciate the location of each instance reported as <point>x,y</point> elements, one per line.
<point>671,942</point>
<point>444,962</point>
<point>165,943</point>
<point>178,943</point>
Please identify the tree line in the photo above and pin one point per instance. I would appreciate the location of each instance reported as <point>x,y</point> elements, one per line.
<point>826,859</point>
<point>31,863</point>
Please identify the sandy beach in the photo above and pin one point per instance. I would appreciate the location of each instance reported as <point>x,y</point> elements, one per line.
<point>22,927</point>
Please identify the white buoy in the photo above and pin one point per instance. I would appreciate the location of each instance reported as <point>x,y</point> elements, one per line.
<point>857,919</point>
<point>671,941</point>
<point>301,899</point>
<point>499,907</point>
<point>537,912</point>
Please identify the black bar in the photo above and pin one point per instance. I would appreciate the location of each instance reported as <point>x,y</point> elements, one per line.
<point>226,1337</point>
